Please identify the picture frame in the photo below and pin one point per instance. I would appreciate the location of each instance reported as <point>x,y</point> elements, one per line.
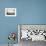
<point>10,12</point>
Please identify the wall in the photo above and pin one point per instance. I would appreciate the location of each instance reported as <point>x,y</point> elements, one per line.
<point>28,12</point>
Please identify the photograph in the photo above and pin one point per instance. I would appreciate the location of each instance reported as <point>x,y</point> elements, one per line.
<point>10,11</point>
<point>28,33</point>
<point>22,22</point>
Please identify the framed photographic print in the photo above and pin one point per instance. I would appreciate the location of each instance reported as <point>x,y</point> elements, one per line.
<point>10,11</point>
<point>33,32</point>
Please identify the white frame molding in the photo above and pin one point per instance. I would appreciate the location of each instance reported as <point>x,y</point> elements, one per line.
<point>18,33</point>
